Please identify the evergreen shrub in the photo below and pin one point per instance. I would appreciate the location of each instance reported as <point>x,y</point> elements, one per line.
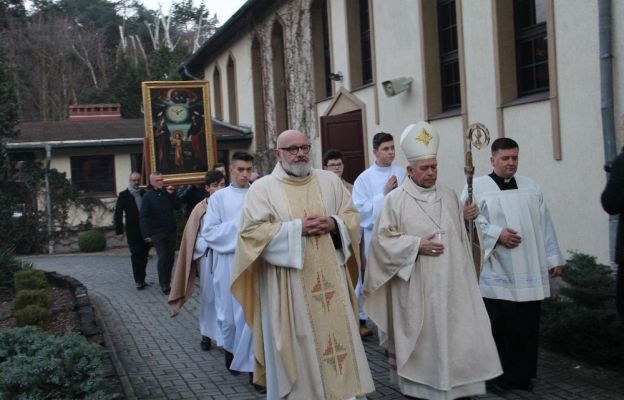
<point>33,315</point>
<point>26,297</point>
<point>581,320</point>
<point>9,265</point>
<point>29,279</point>
<point>91,241</point>
<point>39,365</point>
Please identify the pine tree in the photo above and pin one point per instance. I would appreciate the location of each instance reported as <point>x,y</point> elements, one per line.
<point>8,112</point>
<point>9,190</point>
<point>126,86</point>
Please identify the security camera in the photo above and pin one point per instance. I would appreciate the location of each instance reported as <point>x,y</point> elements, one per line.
<point>337,76</point>
<point>397,85</point>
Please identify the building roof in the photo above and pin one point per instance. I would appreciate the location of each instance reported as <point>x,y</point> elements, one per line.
<point>102,133</point>
<point>52,131</point>
<point>248,16</point>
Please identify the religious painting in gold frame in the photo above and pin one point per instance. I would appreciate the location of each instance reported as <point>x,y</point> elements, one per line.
<point>178,130</point>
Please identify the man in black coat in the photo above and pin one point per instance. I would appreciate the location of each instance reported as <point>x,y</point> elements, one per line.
<point>158,225</point>
<point>129,202</point>
<point>613,203</point>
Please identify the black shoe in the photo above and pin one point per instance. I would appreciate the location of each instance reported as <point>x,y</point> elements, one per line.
<point>166,289</point>
<point>206,343</point>
<point>141,285</point>
<point>258,388</point>
<point>229,357</point>
<point>365,331</point>
<point>497,385</point>
<point>500,385</point>
<point>526,386</point>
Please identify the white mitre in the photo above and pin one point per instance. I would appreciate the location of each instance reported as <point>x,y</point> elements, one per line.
<point>420,141</point>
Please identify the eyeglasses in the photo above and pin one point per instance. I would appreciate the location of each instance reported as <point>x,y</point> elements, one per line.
<point>293,150</point>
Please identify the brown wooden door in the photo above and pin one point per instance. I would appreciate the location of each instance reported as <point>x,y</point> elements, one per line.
<point>344,132</point>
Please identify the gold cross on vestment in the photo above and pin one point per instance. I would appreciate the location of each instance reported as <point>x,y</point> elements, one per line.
<point>424,137</point>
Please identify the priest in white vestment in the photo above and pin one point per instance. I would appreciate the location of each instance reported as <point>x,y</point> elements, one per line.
<point>296,262</point>
<point>193,251</point>
<point>220,233</point>
<point>369,190</point>
<point>421,288</point>
<point>520,252</point>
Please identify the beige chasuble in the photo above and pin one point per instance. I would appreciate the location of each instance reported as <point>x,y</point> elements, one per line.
<point>304,319</point>
<point>429,311</point>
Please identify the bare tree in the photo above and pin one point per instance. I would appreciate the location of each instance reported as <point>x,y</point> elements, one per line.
<point>58,62</point>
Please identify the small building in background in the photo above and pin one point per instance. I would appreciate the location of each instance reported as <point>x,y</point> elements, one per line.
<point>97,149</point>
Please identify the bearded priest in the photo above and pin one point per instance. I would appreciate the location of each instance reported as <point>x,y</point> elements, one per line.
<point>294,269</point>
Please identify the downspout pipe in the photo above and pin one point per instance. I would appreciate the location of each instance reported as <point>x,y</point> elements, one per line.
<point>48,149</point>
<point>606,103</point>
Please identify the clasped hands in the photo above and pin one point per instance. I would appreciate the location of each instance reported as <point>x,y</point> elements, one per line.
<point>316,225</point>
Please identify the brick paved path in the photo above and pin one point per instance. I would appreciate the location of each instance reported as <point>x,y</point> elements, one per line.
<point>158,357</point>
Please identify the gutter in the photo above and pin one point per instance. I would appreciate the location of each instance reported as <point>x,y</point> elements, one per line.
<point>246,134</point>
<point>72,143</point>
<point>243,129</point>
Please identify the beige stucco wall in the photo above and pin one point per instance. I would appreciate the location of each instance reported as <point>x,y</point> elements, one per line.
<point>572,185</point>
<point>243,87</point>
<point>102,217</point>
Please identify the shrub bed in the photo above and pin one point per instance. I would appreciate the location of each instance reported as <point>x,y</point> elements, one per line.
<point>33,315</point>
<point>9,265</point>
<point>37,365</point>
<point>29,279</point>
<point>581,321</point>
<point>26,297</point>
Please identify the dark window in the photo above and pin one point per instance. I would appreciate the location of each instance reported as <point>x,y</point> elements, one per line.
<point>93,174</point>
<point>136,162</point>
<point>531,46</point>
<point>365,43</point>
<point>449,55</point>
<point>216,81</point>
<point>326,55</point>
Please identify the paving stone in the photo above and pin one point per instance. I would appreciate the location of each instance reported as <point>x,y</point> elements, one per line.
<point>160,359</point>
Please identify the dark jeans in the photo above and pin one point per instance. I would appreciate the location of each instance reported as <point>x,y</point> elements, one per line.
<point>515,327</point>
<point>619,292</point>
<point>165,248</point>
<point>138,256</point>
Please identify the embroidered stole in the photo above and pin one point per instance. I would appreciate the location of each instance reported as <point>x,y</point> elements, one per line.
<point>324,296</point>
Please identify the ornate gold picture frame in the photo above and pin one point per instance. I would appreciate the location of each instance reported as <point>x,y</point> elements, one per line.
<point>178,130</point>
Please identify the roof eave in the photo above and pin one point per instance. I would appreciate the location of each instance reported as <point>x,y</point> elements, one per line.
<point>72,143</point>
<point>237,24</point>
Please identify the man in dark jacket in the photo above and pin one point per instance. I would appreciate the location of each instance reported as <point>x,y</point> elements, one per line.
<point>158,226</point>
<point>613,203</point>
<point>129,202</point>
